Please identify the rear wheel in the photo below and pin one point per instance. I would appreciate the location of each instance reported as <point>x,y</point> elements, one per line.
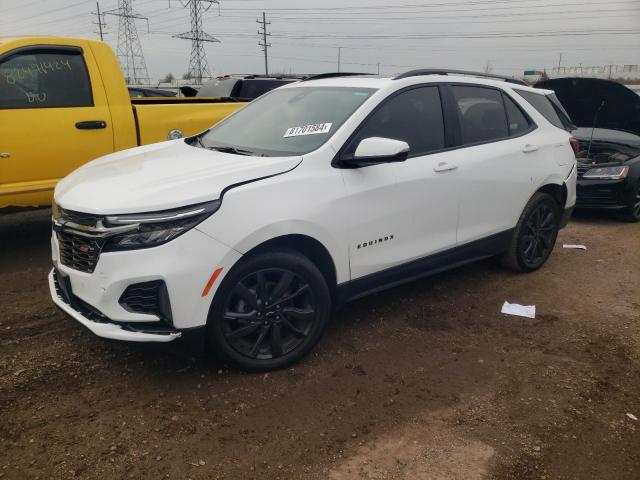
<point>269,312</point>
<point>632,212</point>
<point>535,234</point>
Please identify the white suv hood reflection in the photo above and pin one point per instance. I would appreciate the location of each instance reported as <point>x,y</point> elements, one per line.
<point>160,176</point>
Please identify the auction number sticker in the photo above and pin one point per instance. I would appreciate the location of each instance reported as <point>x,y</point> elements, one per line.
<point>312,129</point>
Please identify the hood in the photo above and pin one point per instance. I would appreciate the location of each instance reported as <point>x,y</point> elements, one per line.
<point>161,176</point>
<point>582,97</point>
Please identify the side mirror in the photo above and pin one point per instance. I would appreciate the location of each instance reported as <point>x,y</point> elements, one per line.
<point>375,150</point>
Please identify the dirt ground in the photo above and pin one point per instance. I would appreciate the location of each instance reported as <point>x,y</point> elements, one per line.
<point>425,381</point>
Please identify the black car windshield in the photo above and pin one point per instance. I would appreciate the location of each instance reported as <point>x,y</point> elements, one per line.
<point>286,122</point>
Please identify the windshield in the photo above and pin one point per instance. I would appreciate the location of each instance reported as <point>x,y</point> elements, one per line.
<point>286,122</point>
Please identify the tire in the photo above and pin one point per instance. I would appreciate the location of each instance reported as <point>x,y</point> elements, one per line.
<point>632,212</point>
<point>269,312</point>
<point>535,234</point>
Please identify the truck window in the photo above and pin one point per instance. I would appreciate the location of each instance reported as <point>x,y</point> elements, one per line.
<point>44,78</point>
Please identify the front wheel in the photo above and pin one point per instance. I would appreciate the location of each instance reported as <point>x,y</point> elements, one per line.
<point>632,212</point>
<point>535,234</point>
<point>270,310</point>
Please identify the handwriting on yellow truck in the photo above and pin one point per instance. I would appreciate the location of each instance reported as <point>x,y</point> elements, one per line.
<point>64,102</point>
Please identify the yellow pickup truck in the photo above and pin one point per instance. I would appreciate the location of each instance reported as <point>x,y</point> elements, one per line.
<point>64,102</point>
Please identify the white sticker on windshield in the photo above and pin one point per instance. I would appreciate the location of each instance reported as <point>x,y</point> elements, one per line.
<point>312,129</point>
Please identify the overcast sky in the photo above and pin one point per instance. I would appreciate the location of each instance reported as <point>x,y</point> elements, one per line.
<point>509,35</point>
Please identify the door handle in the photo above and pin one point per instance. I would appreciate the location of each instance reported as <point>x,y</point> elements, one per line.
<point>444,167</point>
<point>91,125</point>
<point>529,148</point>
<point>5,154</point>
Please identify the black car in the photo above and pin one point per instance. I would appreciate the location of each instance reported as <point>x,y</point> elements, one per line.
<point>607,117</point>
<point>144,92</point>
<point>246,87</point>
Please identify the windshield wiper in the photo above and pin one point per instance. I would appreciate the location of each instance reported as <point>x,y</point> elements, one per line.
<point>234,150</point>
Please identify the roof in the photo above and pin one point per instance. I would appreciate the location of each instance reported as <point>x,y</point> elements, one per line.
<point>369,81</point>
<point>27,40</point>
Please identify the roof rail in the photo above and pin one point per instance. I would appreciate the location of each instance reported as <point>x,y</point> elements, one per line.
<point>333,74</point>
<point>437,71</point>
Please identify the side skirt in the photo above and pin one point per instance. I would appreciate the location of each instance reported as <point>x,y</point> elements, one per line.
<point>423,267</point>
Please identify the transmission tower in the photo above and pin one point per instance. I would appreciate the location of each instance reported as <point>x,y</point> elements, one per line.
<point>129,48</point>
<point>198,65</point>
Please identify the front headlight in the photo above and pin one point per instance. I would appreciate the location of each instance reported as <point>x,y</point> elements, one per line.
<point>156,228</point>
<point>607,173</point>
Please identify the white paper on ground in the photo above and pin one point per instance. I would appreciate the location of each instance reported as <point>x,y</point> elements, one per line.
<point>632,416</point>
<point>575,247</point>
<point>528,311</point>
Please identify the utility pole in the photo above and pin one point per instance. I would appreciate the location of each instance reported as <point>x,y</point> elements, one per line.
<point>378,68</point>
<point>263,25</point>
<point>100,23</point>
<point>129,47</point>
<point>339,49</point>
<point>559,62</point>
<point>610,69</point>
<point>198,65</point>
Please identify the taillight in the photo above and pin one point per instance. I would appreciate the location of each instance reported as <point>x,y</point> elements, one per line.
<point>575,144</point>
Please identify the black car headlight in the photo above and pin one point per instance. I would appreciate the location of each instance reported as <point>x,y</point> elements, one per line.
<point>155,228</point>
<point>607,173</point>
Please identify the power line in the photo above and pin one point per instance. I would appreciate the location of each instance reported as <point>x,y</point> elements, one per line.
<point>129,47</point>
<point>263,31</point>
<point>198,64</point>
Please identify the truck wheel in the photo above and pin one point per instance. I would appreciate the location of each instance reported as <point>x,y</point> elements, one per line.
<point>535,235</point>
<point>632,212</point>
<point>270,310</point>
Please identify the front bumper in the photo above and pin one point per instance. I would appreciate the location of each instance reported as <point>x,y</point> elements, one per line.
<point>184,265</point>
<point>102,326</point>
<point>601,194</point>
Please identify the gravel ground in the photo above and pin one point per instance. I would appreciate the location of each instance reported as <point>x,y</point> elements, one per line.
<point>424,381</point>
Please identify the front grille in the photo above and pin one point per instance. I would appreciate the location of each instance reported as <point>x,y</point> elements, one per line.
<point>86,219</point>
<point>597,199</point>
<point>79,252</point>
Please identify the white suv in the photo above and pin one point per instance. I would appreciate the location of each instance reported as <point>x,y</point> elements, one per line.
<point>251,233</point>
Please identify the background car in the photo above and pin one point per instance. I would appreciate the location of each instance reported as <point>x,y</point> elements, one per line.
<point>140,92</point>
<point>606,115</point>
<point>246,87</point>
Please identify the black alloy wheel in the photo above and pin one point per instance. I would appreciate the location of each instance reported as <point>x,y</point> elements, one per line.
<point>540,235</point>
<point>535,234</point>
<point>632,213</point>
<point>269,312</point>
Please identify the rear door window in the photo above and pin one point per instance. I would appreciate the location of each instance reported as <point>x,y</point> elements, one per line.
<point>543,105</point>
<point>44,79</point>
<point>481,112</point>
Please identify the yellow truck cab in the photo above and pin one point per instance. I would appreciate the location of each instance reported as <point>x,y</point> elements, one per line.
<point>64,102</point>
